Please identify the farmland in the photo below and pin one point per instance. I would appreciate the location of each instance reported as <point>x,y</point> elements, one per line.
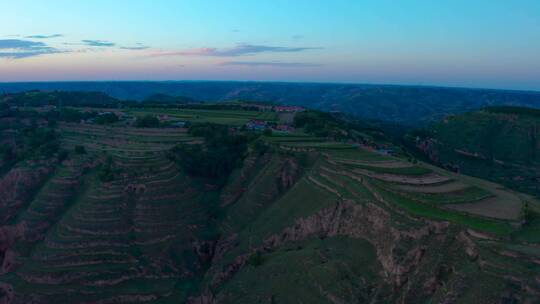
<point>234,118</point>
<point>215,212</point>
<point>499,144</point>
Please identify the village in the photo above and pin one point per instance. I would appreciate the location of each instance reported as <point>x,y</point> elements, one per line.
<point>283,123</point>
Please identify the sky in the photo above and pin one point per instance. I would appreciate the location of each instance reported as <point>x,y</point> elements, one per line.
<point>465,43</point>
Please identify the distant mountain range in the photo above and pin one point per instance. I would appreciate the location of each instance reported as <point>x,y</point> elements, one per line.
<point>408,105</point>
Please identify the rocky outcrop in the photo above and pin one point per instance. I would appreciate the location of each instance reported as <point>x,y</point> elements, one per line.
<point>135,189</point>
<point>205,298</point>
<point>368,222</point>
<point>6,293</point>
<point>347,218</point>
<point>8,236</point>
<point>204,250</point>
<point>288,173</point>
<point>17,187</point>
<point>237,187</point>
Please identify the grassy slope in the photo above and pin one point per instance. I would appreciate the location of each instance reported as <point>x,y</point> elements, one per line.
<point>506,135</point>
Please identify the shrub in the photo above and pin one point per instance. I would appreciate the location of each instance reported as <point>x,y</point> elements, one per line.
<point>255,259</point>
<point>260,146</point>
<point>106,173</point>
<point>80,150</point>
<point>148,121</point>
<point>215,159</point>
<point>106,118</point>
<point>62,154</point>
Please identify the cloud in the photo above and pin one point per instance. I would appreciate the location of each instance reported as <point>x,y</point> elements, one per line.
<point>135,48</point>
<point>19,44</point>
<point>44,36</point>
<point>239,50</point>
<point>98,43</point>
<point>272,64</point>
<point>17,49</point>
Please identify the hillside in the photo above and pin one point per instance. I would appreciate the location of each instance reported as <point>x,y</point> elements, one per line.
<point>497,143</point>
<point>311,209</point>
<point>398,104</point>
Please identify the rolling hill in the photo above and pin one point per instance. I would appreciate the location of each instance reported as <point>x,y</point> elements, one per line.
<point>496,143</point>
<point>324,212</point>
<point>407,105</point>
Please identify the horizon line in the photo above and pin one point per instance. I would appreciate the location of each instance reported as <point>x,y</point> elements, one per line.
<point>282,82</point>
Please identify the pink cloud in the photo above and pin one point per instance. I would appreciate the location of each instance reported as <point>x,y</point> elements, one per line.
<point>239,50</point>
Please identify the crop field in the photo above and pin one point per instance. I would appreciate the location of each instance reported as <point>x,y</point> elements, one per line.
<point>121,140</point>
<point>451,195</point>
<point>226,117</point>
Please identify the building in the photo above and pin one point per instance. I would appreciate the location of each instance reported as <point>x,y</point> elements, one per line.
<point>163,117</point>
<point>293,109</point>
<point>257,125</point>
<point>284,128</point>
<point>261,107</point>
<point>178,124</point>
<point>384,151</point>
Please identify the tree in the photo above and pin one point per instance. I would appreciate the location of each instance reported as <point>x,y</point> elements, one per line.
<point>217,157</point>
<point>106,118</point>
<point>256,259</point>
<point>147,121</point>
<point>80,150</point>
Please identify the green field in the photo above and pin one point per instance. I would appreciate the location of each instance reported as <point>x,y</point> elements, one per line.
<point>235,118</point>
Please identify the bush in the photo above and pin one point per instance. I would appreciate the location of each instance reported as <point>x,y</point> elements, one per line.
<point>106,118</point>
<point>215,159</point>
<point>255,259</point>
<point>106,173</point>
<point>62,154</point>
<point>260,146</point>
<point>80,150</point>
<point>49,148</point>
<point>7,153</point>
<point>148,121</point>
<point>319,124</point>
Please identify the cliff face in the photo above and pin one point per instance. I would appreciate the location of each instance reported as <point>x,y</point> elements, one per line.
<point>17,187</point>
<point>402,254</point>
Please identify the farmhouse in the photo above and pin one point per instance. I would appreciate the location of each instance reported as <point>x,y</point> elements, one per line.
<point>283,128</point>
<point>178,124</point>
<point>256,125</point>
<point>163,117</point>
<point>288,109</point>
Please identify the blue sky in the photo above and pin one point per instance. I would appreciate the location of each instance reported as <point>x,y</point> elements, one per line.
<point>471,43</point>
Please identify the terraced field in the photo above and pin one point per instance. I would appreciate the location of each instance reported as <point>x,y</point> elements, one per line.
<point>301,218</point>
<point>430,186</point>
<point>497,143</point>
<point>118,241</point>
<point>351,195</point>
<point>121,140</point>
